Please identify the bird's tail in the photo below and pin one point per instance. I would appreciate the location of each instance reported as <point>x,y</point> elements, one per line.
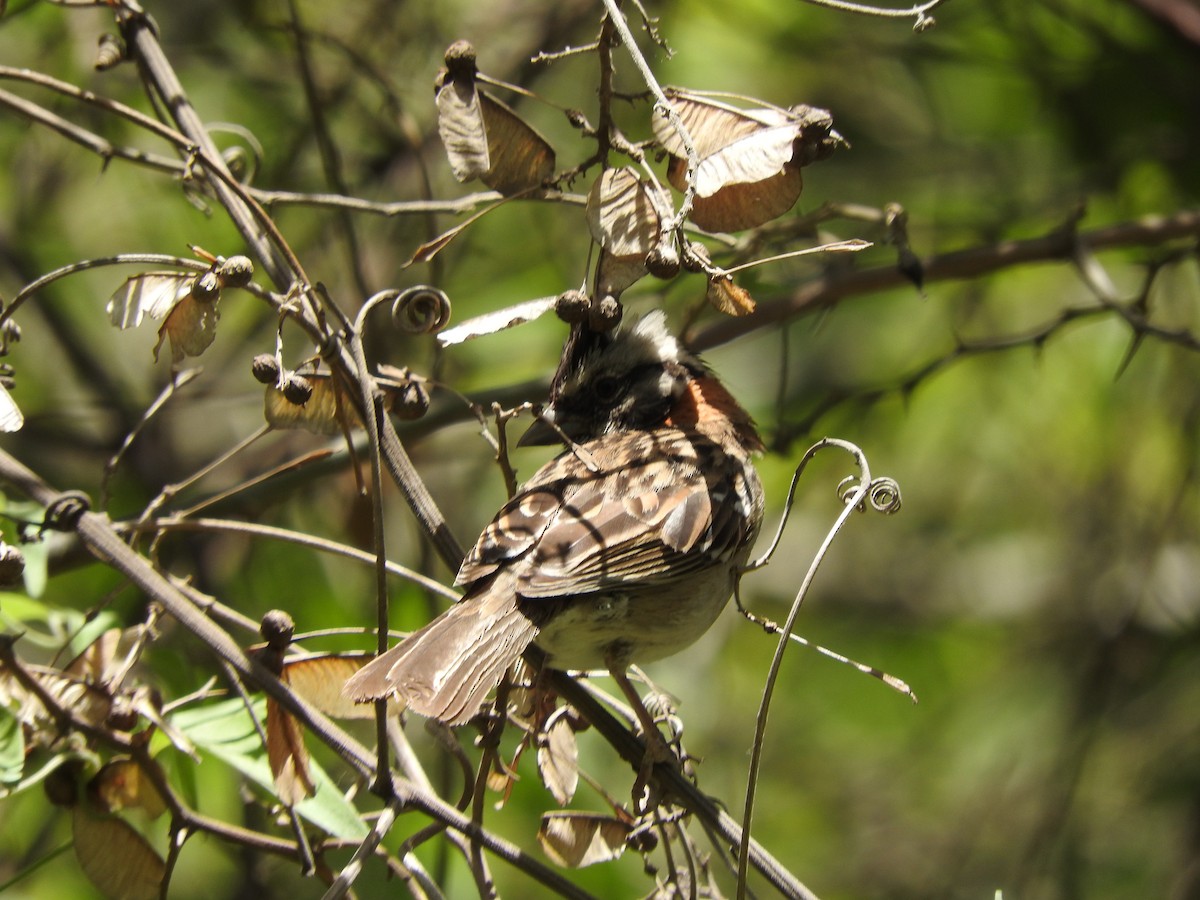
<point>445,670</point>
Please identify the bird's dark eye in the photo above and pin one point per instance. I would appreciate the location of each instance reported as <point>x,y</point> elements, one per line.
<point>608,388</point>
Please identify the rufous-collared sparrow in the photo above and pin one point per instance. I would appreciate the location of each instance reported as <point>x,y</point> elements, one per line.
<point>622,549</point>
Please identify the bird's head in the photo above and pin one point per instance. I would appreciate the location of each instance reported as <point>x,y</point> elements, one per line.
<point>638,379</point>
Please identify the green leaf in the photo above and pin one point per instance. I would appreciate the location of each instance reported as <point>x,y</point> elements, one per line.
<point>20,608</point>
<point>36,556</point>
<point>12,748</point>
<point>90,631</point>
<point>224,729</point>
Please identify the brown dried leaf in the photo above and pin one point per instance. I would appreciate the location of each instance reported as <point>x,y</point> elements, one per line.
<point>115,858</point>
<point>499,782</point>
<point>616,273</point>
<point>151,294</point>
<point>95,663</point>
<point>86,702</point>
<point>121,784</point>
<point>575,840</point>
<point>736,207</point>
<point>191,327</point>
<point>145,703</point>
<point>319,680</point>
<point>497,320</point>
<point>10,414</point>
<point>710,123</point>
<point>461,128</point>
<point>324,413</point>
<point>486,140</point>
<point>749,162</point>
<point>521,158</point>
<point>558,758</point>
<point>433,247</point>
<point>728,297</point>
<point>287,756</point>
<point>621,214</point>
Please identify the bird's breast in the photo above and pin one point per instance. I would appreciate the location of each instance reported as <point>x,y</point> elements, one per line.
<point>641,625</point>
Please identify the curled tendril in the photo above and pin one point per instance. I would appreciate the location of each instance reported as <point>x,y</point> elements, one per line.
<point>421,310</point>
<point>883,493</point>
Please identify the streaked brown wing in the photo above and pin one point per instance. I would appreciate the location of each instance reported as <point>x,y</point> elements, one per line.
<point>634,538</point>
<point>515,530</point>
<point>521,522</point>
<point>582,530</point>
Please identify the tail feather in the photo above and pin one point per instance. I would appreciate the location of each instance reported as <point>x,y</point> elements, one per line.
<point>445,670</point>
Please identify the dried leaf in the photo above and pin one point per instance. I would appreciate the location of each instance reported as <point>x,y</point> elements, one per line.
<point>144,702</point>
<point>754,158</point>
<point>191,327</point>
<point>86,702</point>
<point>735,207</point>
<point>728,297</point>
<point>121,784</point>
<point>12,749</point>
<point>461,128</point>
<point>621,214</point>
<point>499,782</point>
<point>558,758</point>
<point>497,320</point>
<point>10,415</point>
<point>324,413</point>
<point>115,858</point>
<point>616,273</point>
<point>319,680</point>
<point>95,663</point>
<point>152,294</point>
<point>521,158</point>
<point>486,140</point>
<point>287,756</point>
<point>431,248</point>
<point>575,840</point>
<point>749,160</point>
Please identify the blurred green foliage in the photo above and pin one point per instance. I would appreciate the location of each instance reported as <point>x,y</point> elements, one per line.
<point>1040,590</point>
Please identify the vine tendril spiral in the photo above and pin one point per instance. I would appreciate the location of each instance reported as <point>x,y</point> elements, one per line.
<point>421,309</point>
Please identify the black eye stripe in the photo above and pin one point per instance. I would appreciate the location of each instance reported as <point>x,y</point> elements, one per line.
<point>609,387</point>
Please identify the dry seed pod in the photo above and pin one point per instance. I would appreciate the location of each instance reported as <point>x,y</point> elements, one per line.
<point>206,288</point>
<point>122,716</point>
<point>235,272</point>
<point>696,258</point>
<point>297,389</point>
<point>461,60</point>
<point>572,306</point>
<point>12,564</point>
<point>110,52</point>
<point>663,261</point>
<point>277,628</point>
<point>409,402</point>
<point>605,313</point>
<point>265,368</point>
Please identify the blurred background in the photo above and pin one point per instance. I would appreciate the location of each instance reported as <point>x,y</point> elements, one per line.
<point>1040,590</point>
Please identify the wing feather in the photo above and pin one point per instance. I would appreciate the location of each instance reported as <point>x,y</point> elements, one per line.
<point>574,530</point>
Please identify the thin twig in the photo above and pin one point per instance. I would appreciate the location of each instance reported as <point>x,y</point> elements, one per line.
<point>760,726</point>
<point>303,539</point>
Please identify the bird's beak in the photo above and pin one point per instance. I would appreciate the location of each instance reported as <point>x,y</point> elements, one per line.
<point>542,432</point>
